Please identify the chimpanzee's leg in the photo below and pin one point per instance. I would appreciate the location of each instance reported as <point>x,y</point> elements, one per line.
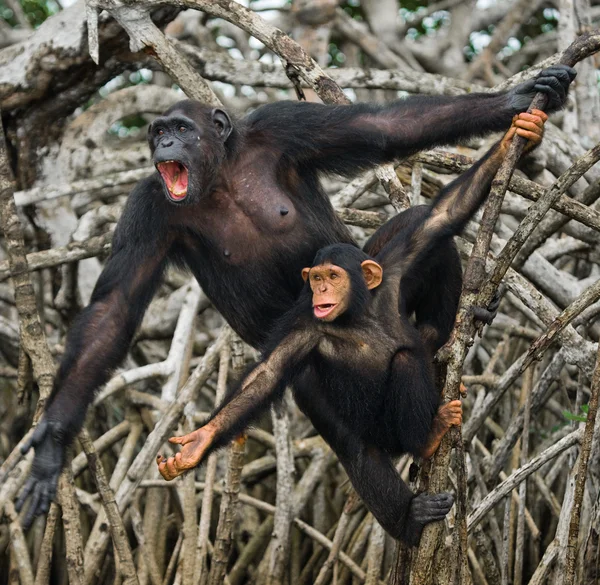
<point>371,471</point>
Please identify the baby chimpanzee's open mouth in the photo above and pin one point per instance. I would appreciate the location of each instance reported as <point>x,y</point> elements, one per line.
<point>175,177</point>
<point>323,310</point>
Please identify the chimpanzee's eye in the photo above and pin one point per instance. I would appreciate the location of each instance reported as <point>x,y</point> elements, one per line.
<point>316,277</point>
<point>160,132</point>
<point>182,128</point>
<point>334,276</point>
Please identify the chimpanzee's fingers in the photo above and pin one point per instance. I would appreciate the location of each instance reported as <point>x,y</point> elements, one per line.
<point>53,484</point>
<point>29,485</point>
<point>530,119</point>
<point>171,468</point>
<point>565,73</point>
<point>529,130</point>
<point>162,469</point>
<point>554,97</point>
<point>179,440</point>
<point>554,83</point>
<point>45,500</point>
<point>32,511</point>
<point>531,136</point>
<point>540,114</point>
<point>530,125</point>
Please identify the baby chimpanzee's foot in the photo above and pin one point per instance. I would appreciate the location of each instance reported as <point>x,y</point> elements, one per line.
<point>488,314</point>
<point>424,509</point>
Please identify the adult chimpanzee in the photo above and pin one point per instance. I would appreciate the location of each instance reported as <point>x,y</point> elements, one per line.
<point>358,367</point>
<point>240,204</point>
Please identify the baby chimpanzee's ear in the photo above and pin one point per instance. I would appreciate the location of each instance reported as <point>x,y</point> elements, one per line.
<point>372,272</point>
<point>305,272</point>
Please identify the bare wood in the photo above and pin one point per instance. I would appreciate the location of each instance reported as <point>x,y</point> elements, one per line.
<point>42,575</point>
<point>72,526</point>
<point>584,457</point>
<point>504,488</point>
<point>33,339</point>
<point>107,495</point>
<point>19,550</point>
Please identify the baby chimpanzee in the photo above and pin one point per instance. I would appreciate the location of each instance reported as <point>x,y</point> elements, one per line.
<point>358,367</point>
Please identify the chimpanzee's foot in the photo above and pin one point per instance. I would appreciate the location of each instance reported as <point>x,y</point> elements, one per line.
<point>448,415</point>
<point>424,509</point>
<point>488,314</point>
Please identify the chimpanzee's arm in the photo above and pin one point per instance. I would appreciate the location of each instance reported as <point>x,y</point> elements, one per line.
<point>98,340</point>
<point>459,200</point>
<point>346,139</point>
<point>257,391</point>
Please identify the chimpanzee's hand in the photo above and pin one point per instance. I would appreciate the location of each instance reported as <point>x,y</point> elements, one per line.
<point>194,448</point>
<point>554,82</point>
<point>49,444</point>
<point>426,508</point>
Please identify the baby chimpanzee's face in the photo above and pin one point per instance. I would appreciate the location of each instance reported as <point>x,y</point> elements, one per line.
<point>331,289</point>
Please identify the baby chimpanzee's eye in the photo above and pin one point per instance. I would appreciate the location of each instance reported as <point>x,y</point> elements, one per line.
<point>334,276</point>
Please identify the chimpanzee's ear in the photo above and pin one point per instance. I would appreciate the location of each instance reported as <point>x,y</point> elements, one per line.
<point>305,273</point>
<point>222,123</point>
<point>372,272</point>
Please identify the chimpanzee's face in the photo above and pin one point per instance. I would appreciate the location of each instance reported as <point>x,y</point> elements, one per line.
<point>331,289</point>
<point>188,154</point>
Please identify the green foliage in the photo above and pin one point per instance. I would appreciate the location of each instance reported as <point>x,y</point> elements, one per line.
<point>577,417</point>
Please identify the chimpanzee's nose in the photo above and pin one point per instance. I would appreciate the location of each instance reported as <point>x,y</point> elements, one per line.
<point>166,143</point>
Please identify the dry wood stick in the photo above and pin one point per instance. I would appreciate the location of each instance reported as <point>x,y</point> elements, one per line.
<point>18,544</point>
<point>584,457</point>
<point>339,534</point>
<point>278,556</point>
<point>71,525</point>
<point>33,339</point>
<point>42,575</point>
<point>520,538</point>
<point>515,478</point>
<point>201,574</point>
<point>224,536</point>
<point>107,495</point>
<point>138,530</point>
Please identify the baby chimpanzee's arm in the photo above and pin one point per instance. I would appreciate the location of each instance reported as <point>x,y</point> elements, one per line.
<point>459,200</point>
<point>256,393</point>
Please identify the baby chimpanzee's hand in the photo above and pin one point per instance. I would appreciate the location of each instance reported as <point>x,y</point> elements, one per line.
<point>527,125</point>
<point>194,447</point>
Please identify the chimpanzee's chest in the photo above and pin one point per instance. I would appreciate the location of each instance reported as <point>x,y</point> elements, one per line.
<point>358,353</point>
<point>246,225</point>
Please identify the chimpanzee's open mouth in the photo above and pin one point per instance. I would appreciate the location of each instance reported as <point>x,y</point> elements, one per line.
<point>175,177</point>
<point>321,311</point>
